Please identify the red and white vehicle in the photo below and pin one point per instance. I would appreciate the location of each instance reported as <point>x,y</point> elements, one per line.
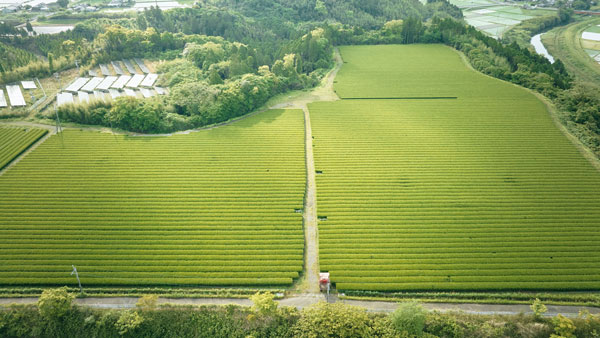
<point>324,282</point>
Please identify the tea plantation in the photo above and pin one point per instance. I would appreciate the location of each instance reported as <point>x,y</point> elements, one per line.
<point>480,192</point>
<point>214,207</point>
<point>15,140</point>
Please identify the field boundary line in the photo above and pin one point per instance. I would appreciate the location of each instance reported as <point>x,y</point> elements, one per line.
<point>403,98</point>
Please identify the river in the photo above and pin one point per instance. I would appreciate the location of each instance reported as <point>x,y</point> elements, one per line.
<point>536,41</point>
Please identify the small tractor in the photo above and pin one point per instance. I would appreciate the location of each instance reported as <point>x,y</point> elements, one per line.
<point>324,283</point>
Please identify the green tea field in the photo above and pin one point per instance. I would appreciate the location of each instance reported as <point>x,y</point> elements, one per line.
<point>214,207</point>
<point>15,140</point>
<point>477,192</point>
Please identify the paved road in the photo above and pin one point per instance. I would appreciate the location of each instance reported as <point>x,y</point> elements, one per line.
<point>305,300</point>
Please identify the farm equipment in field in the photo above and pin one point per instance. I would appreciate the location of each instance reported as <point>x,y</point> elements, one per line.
<point>324,283</point>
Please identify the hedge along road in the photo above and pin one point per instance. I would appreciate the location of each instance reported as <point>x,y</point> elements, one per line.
<point>300,302</point>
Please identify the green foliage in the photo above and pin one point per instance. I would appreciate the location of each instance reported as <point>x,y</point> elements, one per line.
<point>412,29</point>
<point>93,113</point>
<point>138,115</point>
<point>55,303</point>
<point>128,321</point>
<point>587,325</point>
<point>12,57</point>
<point>333,320</point>
<point>563,327</point>
<point>193,98</point>
<point>409,318</point>
<point>63,3</point>
<point>538,308</point>
<point>263,303</point>
<point>118,42</point>
<point>443,326</point>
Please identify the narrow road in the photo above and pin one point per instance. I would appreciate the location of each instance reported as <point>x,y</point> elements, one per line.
<point>306,300</point>
<point>310,281</point>
<point>311,232</point>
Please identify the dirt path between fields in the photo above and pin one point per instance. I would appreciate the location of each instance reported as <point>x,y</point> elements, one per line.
<point>309,283</point>
<point>302,301</point>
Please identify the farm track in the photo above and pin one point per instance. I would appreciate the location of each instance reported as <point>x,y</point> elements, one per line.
<point>310,282</point>
<point>301,301</point>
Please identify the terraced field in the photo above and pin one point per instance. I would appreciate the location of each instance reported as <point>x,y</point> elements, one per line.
<point>215,207</point>
<point>480,192</point>
<point>15,140</point>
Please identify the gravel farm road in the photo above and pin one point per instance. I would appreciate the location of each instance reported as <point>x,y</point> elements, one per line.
<point>304,300</point>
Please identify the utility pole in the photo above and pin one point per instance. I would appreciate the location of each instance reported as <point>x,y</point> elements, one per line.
<point>76,275</point>
<point>57,76</point>
<point>58,126</point>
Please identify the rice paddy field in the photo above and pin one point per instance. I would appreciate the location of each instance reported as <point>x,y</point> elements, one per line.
<point>495,20</point>
<point>214,207</point>
<point>15,140</point>
<point>479,192</point>
<point>590,41</point>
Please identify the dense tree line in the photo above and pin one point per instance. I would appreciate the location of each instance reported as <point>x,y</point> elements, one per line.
<point>369,14</point>
<point>9,29</point>
<point>12,57</point>
<point>215,80</point>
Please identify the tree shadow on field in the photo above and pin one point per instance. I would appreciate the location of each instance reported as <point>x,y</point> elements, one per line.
<point>267,116</point>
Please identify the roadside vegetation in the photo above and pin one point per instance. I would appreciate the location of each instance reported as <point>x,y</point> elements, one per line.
<point>55,315</point>
<point>556,298</point>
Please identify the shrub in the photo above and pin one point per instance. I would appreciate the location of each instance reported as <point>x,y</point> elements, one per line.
<point>128,321</point>
<point>538,308</point>
<point>410,318</point>
<point>263,303</point>
<point>55,303</point>
<point>443,325</point>
<point>333,320</point>
<point>563,327</point>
